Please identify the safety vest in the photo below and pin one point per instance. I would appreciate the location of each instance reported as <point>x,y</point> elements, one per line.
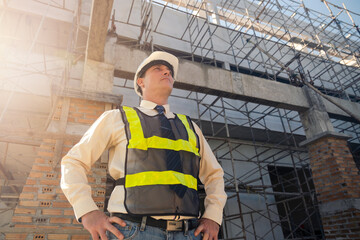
<point>148,181</point>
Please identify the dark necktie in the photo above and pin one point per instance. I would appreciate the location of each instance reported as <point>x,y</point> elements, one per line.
<point>172,157</point>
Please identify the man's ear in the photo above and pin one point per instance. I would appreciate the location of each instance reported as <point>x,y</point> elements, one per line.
<point>140,82</point>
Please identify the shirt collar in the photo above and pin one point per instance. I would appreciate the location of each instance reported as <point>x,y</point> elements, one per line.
<point>151,105</point>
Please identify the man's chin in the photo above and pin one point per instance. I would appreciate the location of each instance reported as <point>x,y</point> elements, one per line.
<point>168,91</point>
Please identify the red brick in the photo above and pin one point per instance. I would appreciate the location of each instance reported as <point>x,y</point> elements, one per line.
<point>46,196</point>
<point>62,197</point>
<point>74,227</point>
<point>68,143</point>
<point>30,182</point>
<point>72,109</point>
<point>42,168</point>
<point>335,178</point>
<point>41,160</point>
<point>38,236</point>
<point>24,226</point>
<point>25,211</point>
<point>66,150</point>
<point>92,116</point>
<point>60,220</point>
<point>26,196</point>
<point>77,115</point>
<point>57,236</point>
<point>30,189</point>
<point>47,227</point>
<point>91,179</point>
<point>68,212</point>
<point>49,182</point>
<point>27,219</point>
<point>36,174</point>
<point>80,237</point>
<point>47,189</point>
<point>61,205</point>
<point>86,121</point>
<point>85,110</point>
<point>98,108</point>
<point>52,212</point>
<point>29,203</point>
<point>58,190</point>
<point>99,199</point>
<point>15,236</point>
<point>45,203</point>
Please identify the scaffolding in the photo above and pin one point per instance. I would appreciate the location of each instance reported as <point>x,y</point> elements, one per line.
<point>328,47</point>
<point>262,152</point>
<point>276,40</point>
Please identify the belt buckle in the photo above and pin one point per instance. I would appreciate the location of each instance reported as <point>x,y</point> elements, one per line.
<point>176,226</point>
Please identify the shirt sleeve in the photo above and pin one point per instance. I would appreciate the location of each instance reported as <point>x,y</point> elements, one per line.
<point>212,176</point>
<point>78,161</point>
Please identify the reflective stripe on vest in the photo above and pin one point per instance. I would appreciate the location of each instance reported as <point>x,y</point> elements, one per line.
<point>138,141</point>
<point>160,178</point>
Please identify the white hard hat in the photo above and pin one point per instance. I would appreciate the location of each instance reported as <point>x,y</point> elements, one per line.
<point>155,58</point>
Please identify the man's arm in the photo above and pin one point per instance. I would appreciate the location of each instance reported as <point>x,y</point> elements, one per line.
<point>77,162</point>
<point>211,175</point>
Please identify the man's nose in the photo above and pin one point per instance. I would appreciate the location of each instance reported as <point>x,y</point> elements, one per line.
<point>166,72</point>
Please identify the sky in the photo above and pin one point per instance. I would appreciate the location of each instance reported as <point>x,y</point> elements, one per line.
<point>352,5</point>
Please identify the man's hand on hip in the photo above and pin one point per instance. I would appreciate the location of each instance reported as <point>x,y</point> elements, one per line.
<point>97,223</point>
<point>209,228</point>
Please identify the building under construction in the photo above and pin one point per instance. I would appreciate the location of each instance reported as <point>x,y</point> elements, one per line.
<point>273,84</point>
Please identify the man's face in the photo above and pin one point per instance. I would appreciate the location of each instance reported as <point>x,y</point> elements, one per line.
<point>157,80</point>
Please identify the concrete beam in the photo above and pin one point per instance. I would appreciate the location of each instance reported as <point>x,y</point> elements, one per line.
<point>98,76</point>
<point>99,22</point>
<point>315,120</point>
<point>209,79</point>
<point>340,205</point>
<point>90,95</point>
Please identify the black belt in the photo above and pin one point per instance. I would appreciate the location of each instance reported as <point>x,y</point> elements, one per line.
<point>169,225</point>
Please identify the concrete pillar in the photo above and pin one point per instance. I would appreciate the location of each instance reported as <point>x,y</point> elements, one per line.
<point>98,77</point>
<point>335,175</point>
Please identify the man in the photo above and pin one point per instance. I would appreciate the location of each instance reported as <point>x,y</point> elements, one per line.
<point>156,157</point>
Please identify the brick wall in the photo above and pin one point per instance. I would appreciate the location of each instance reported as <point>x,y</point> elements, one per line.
<point>42,205</point>
<point>337,184</point>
